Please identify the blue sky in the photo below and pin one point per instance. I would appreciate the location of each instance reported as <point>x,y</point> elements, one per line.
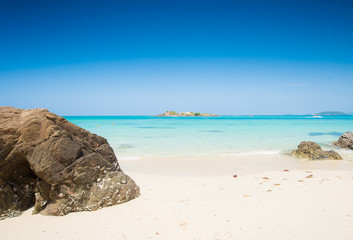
<point>145,57</point>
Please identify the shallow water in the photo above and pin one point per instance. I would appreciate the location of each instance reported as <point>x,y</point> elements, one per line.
<point>137,137</point>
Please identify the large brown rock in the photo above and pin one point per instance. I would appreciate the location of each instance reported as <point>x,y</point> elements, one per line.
<point>56,166</point>
<point>313,151</point>
<point>345,141</point>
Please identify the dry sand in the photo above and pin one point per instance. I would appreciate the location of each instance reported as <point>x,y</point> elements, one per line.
<point>195,199</point>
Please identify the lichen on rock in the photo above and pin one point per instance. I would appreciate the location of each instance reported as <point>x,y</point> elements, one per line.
<point>56,166</point>
<point>313,151</point>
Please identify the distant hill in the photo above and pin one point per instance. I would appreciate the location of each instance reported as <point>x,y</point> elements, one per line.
<point>332,113</point>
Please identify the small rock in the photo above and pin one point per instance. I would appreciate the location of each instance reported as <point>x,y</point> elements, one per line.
<point>183,223</point>
<point>345,141</point>
<point>313,151</point>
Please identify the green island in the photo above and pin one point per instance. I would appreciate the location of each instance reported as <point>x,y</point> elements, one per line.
<point>333,113</point>
<point>185,114</point>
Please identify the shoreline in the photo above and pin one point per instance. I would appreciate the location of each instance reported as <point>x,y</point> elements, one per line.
<point>226,166</point>
<point>298,204</point>
<point>267,195</point>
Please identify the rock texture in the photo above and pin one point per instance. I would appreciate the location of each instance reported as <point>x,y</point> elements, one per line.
<point>345,141</point>
<point>313,151</point>
<point>56,166</point>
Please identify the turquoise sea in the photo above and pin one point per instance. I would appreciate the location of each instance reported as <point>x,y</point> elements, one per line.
<point>138,137</point>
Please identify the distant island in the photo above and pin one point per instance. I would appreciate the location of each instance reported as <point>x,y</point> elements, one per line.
<point>185,114</point>
<point>332,113</point>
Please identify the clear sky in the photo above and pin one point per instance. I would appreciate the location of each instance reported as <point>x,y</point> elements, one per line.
<point>145,57</point>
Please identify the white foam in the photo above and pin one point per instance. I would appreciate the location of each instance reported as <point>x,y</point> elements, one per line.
<point>265,152</point>
<point>344,151</point>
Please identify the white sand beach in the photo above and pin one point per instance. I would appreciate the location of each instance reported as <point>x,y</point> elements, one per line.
<point>204,200</point>
<point>176,120</point>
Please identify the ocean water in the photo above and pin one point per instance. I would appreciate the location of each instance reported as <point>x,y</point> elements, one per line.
<point>138,137</point>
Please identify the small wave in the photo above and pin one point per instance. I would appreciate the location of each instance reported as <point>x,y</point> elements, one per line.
<point>212,131</point>
<point>129,158</point>
<point>272,152</point>
<point>344,151</point>
<point>157,127</point>
<point>124,146</point>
